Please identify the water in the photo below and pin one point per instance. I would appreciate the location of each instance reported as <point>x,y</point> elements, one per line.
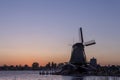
<point>34,75</point>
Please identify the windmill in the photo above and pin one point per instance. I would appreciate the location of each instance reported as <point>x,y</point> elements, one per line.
<point>78,56</point>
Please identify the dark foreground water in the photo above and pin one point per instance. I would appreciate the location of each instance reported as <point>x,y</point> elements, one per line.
<point>34,75</point>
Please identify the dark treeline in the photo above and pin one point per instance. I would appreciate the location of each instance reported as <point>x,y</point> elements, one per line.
<point>104,70</point>
<point>34,66</point>
<point>108,70</point>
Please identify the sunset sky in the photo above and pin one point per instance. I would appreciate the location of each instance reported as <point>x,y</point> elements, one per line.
<point>44,30</point>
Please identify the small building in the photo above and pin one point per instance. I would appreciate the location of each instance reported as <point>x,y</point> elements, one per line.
<point>93,62</point>
<point>35,66</point>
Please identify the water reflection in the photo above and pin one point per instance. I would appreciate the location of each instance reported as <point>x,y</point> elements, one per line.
<point>94,78</point>
<point>77,78</point>
<point>30,75</point>
<point>101,78</point>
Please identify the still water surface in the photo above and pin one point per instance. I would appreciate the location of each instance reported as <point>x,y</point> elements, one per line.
<point>34,75</point>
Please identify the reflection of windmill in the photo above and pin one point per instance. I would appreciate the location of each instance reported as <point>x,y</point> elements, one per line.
<point>78,56</point>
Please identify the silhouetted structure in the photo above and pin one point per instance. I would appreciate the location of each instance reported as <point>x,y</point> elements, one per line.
<point>35,66</point>
<point>78,63</point>
<point>78,56</point>
<point>93,62</point>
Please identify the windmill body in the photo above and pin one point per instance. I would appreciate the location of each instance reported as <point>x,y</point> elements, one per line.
<point>78,54</point>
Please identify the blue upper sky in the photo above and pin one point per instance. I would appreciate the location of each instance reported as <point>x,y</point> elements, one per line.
<point>42,30</point>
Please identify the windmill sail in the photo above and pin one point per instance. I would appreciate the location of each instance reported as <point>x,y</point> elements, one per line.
<point>81,35</point>
<point>89,43</point>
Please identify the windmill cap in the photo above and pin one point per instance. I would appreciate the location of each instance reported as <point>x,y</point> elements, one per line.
<point>78,45</point>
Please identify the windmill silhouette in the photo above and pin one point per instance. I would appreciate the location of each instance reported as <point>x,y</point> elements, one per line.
<point>78,63</point>
<point>78,56</point>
